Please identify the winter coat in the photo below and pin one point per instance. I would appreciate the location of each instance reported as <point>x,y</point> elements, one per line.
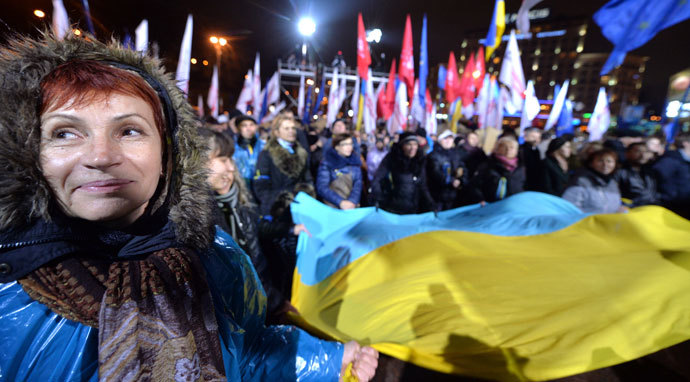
<point>673,182</point>
<point>592,193</point>
<point>277,170</point>
<point>333,167</point>
<point>493,182</point>
<point>400,184</point>
<point>530,157</point>
<point>245,156</point>
<point>472,157</point>
<point>638,186</point>
<point>443,167</point>
<point>553,178</point>
<point>44,335</point>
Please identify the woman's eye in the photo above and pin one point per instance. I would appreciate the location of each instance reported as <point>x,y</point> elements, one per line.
<point>64,134</point>
<point>128,132</point>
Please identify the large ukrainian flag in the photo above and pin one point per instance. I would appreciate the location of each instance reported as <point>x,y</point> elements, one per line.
<point>528,288</point>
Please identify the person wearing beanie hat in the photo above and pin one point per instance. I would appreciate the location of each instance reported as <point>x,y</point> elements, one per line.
<point>554,174</point>
<point>248,146</point>
<point>400,184</point>
<point>445,171</point>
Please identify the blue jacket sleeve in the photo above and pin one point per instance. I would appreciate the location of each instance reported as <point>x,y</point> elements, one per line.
<point>252,351</point>
<point>323,181</point>
<point>356,185</point>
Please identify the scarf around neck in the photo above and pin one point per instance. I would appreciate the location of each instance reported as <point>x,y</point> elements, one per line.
<point>232,197</point>
<point>509,164</point>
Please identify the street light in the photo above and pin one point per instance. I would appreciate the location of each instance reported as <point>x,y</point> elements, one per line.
<point>374,35</point>
<point>39,13</point>
<point>306,26</point>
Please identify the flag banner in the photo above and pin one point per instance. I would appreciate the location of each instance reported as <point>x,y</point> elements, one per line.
<point>354,101</point>
<point>557,106</point>
<point>528,288</point>
<point>565,121</point>
<point>273,114</point>
<point>273,89</point>
<point>319,97</point>
<point>184,62</point>
<point>363,55</point>
<point>200,105</point>
<point>629,24</point>
<point>300,98</point>
<point>212,99</point>
<point>467,89</point>
<point>522,19</point>
<point>306,119</point>
<point>61,27</point>
<point>483,102</point>
<point>494,116</point>
<point>512,75</point>
<point>479,71</point>
<point>370,106</point>
<point>141,39</point>
<point>416,109</point>
<point>333,106</point>
<point>530,108</point>
<point>398,121</point>
<point>360,105</point>
<point>257,100</point>
<point>431,124</point>
<point>87,13</point>
<point>452,82</point>
<point>423,64</point>
<point>246,96</point>
<point>406,72</point>
<point>386,101</point>
<point>601,117</point>
<point>498,25</point>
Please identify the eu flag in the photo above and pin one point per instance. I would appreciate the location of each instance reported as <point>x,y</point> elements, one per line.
<point>629,24</point>
<point>423,66</point>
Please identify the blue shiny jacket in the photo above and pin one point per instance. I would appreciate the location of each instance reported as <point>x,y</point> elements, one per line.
<point>39,345</point>
<point>333,166</point>
<point>246,155</point>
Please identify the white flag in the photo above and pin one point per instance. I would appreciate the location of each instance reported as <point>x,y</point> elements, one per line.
<point>523,15</point>
<point>212,99</point>
<point>398,121</point>
<point>142,37</point>
<point>300,98</point>
<point>246,95</point>
<point>512,76</point>
<point>333,106</point>
<point>495,113</point>
<point>370,106</point>
<point>417,110</point>
<point>200,105</point>
<point>61,27</point>
<point>431,125</point>
<point>257,99</point>
<point>483,102</point>
<point>354,102</point>
<point>183,63</point>
<point>273,89</point>
<point>530,109</point>
<point>272,115</point>
<point>601,117</point>
<point>557,106</point>
<point>342,92</point>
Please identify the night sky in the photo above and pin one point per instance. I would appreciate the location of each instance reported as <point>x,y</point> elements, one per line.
<point>269,26</point>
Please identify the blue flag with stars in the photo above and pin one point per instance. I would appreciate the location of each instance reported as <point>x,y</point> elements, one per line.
<point>423,66</point>
<point>629,24</point>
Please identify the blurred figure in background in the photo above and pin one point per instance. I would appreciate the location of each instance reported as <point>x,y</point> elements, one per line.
<point>499,176</point>
<point>593,188</point>
<point>531,158</point>
<point>247,147</point>
<point>339,179</point>
<point>554,174</point>
<point>635,179</point>
<point>672,172</point>
<point>445,171</point>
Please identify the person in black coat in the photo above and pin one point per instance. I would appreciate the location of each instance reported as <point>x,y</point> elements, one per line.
<point>672,172</point>
<point>499,176</point>
<point>281,165</point>
<point>400,185</point>
<point>531,158</point>
<point>635,180</point>
<point>554,175</point>
<point>471,154</point>
<point>446,173</point>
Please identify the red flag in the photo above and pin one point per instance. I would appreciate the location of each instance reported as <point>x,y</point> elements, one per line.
<point>386,101</point>
<point>407,58</point>
<point>427,101</point>
<point>480,70</point>
<point>452,84</point>
<point>467,82</point>
<point>363,57</point>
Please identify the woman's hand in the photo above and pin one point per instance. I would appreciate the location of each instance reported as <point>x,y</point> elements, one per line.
<point>347,205</point>
<point>300,228</point>
<point>364,361</point>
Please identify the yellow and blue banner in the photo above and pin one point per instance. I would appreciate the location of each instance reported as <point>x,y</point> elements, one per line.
<point>498,25</point>
<point>528,288</point>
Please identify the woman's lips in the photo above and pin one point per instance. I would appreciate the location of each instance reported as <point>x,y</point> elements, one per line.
<point>105,186</point>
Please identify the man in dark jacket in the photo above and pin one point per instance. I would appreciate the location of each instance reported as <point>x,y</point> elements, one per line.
<point>635,180</point>
<point>673,177</point>
<point>446,173</point>
<point>400,185</point>
<point>500,176</point>
<point>530,157</point>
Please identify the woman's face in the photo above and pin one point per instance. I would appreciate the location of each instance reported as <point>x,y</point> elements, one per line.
<point>472,140</point>
<point>103,160</point>
<point>566,150</point>
<point>345,148</point>
<point>287,131</point>
<point>604,164</point>
<point>221,175</point>
<point>507,149</point>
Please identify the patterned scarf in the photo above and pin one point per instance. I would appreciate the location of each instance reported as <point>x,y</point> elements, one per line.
<point>154,314</point>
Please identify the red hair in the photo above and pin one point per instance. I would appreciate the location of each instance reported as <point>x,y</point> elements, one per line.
<point>78,83</point>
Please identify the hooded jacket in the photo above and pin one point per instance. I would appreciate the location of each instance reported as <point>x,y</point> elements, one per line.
<point>593,193</point>
<point>48,341</point>
<point>333,166</point>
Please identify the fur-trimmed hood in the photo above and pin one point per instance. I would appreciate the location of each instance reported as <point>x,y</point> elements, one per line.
<point>24,193</point>
<point>291,165</point>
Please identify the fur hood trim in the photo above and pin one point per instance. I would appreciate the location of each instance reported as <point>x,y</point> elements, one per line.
<point>291,165</point>
<point>24,192</point>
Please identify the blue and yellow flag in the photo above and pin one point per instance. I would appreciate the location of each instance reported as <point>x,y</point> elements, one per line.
<point>528,288</point>
<point>498,25</point>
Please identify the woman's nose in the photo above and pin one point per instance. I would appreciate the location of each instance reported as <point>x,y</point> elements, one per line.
<point>102,152</point>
